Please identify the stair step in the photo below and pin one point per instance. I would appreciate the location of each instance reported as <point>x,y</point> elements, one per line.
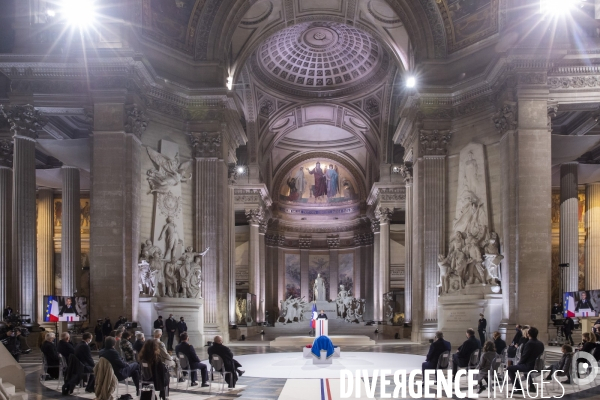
<point>9,388</point>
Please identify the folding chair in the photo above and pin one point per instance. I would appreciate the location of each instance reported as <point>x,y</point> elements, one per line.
<point>474,359</point>
<point>62,366</point>
<point>185,367</point>
<point>146,380</point>
<point>216,364</point>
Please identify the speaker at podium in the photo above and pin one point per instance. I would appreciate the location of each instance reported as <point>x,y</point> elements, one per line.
<point>321,328</point>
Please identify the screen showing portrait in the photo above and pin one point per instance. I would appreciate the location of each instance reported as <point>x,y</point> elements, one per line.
<point>65,309</point>
<point>584,303</point>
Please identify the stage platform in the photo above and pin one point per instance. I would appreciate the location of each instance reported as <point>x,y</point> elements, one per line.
<point>338,340</point>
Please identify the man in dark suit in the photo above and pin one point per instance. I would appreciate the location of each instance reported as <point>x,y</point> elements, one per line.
<point>583,303</point>
<point>84,355</point>
<point>231,365</point>
<point>51,354</point>
<point>65,347</point>
<point>531,351</point>
<point>181,326</point>
<point>481,327</point>
<point>322,315</point>
<point>121,369</point>
<point>68,308</point>
<point>568,328</point>
<point>7,312</point>
<point>188,350</point>
<point>435,350</point>
<point>171,325</point>
<point>462,356</point>
<point>106,327</point>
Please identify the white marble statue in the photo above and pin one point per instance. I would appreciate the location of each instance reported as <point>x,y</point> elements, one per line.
<point>319,293</point>
<point>169,172</point>
<point>291,310</point>
<point>169,230</point>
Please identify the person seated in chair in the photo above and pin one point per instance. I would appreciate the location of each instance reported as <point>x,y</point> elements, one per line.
<point>52,359</point>
<point>230,365</point>
<point>139,341</point>
<point>531,351</point>
<point>485,363</point>
<point>150,360</point>
<point>126,347</point>
<point>435,350</point>
<point>84,355</point>
<point>188,350</point>
<point>121,369</point>
<point>499,344</point>
<point>65,347</point>
<point>563,367</point>
<point>462,356</point>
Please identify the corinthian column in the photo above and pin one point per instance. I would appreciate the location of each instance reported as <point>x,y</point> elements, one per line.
<point>45,250</point>
<point>71,230</point>
<point>384,215</point>
<point>377,295</point>
<point>592,239</point>
<point>408,249</point>
<point>6,155</point>
<point>261,297</point>
<point>24,121</point>
<point>569,227</point>
<point>255,217</point>
<point>334,265</point>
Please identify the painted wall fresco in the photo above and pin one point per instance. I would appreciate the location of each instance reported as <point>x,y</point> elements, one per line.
<point>346,272</point>
<point>292,275</point>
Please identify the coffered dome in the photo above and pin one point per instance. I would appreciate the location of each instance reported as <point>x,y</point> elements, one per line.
<point>320,56</point>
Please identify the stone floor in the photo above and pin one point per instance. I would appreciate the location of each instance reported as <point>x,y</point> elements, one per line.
<point>269,388</point>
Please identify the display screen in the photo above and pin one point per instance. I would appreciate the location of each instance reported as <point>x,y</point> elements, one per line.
<point>65,309</point>
<point>585,303</point>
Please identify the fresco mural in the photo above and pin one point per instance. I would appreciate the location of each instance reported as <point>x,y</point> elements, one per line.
<point>292,275</point>
<point>346,272</point>
<point>468,21</point>
<point>318,264</point>
<point>319,181</point>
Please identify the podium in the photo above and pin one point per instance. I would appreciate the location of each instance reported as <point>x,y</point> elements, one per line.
<point>322,328</point>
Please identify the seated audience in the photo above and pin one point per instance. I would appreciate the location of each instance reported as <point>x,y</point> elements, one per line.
<point>588,345</point>
<point>563,367</point>
<point>139,341</point>
<point>188,350</point>
<point>485,363</point>
<point>126,347</point>
<point>499,344</point>
<point>84,355</point>
<point>230,364</point>
<point>121,369</point>
<point>512,349</point>
<point>153,368</point>
<point>596,352</point>
<point>532,349</point>
<point>65,347</point>
<point>51,354</point>
<point>463,354</point>
<point>435,350</point>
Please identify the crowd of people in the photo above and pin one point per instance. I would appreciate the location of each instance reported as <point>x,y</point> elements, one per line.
<point>132,356</point>
<point>521,355</point>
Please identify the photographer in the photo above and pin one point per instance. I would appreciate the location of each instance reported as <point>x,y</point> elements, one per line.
<point>13,343</point>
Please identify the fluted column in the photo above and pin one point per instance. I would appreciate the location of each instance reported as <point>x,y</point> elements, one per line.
<point>255,217</point>
<point>71,230</point>
<point>384,215</point>
<point>592,239</point>
<point>6,150</point>
<point>408,253</point>
<point>569,229</point>
<point>45,249</point>
<point>25,122</point>
<point>334,266</point>
<point>261,296</point>
<point>377,295</point>
<point>304,243</point>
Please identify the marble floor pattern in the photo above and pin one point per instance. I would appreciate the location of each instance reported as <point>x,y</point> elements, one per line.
<point>284,389</point>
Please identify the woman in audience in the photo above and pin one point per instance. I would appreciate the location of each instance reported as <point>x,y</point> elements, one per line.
<point>126,347</point>
<point>498,342</point>
<point>153,369</point>
<point>588,345</point>
<point>485,363</point>
<point>563,367</point>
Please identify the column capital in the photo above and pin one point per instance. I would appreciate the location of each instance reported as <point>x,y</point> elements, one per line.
<point>24,120</point>
<point>6,152</point>
<point>375,225</point>
<point>255,216</point>
<point>304,242</point>
<point>207,144</point>
<point>384,214</point>
<point>262,227</point>
<point>505,118</point>
<point>280,240</point>
<point>333,242</point>
<point>406,172</point>
<point>136,121</point>
<point>434,142</point>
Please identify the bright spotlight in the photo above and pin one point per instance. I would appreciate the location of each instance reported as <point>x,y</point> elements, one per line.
<point>79,12</point>
<point>557,7</point>
<point>241,170</point>
<point>230,83</point>
<point>50,12</point>
<point>411,82</point>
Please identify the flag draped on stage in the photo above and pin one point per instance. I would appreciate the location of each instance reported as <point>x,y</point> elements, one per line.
<point>313,321</point>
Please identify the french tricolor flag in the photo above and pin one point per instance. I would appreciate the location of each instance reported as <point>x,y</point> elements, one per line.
<point>313,321</point>
<point>52,310</point>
